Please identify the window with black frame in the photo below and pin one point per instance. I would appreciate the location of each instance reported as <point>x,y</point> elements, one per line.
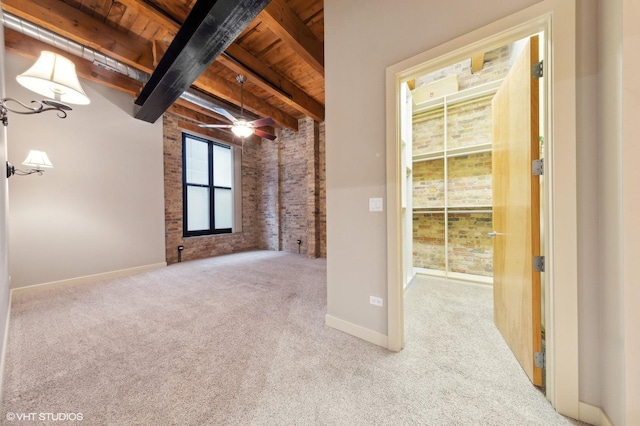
<point>207,186</point>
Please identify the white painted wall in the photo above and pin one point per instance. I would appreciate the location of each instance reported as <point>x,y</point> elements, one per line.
<point>101,209</point>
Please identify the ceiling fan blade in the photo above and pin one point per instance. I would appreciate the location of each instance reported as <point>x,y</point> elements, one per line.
<point>264,134</point>
<point>223,112</point>
<point>216,126</point>
<point>260,122</point>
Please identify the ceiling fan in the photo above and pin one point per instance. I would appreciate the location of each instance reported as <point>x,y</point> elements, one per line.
<point>240,126</point>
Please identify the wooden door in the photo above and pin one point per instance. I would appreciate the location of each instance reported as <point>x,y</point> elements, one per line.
<point>516,212</point>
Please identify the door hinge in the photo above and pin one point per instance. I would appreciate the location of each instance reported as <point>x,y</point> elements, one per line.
<point>537,167</point>
<point>540,359</point>
<point>537,70</point>
<point>538,263</point>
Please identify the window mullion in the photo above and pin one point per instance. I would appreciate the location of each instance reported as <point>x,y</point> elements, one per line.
<point>212,225</point>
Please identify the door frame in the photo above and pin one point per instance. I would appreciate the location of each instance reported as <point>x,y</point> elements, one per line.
<point>557,19</point>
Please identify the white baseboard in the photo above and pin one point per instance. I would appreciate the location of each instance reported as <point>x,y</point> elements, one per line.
<point>356,330</point>
<point>593,415</point>
<point>91,278</point>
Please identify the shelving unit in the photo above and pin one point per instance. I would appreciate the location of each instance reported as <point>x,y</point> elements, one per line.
<point>452,185</point>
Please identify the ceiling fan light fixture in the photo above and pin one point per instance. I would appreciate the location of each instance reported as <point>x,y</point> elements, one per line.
<point>242,129</point>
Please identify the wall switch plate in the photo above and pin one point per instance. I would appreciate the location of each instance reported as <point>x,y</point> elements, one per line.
<point>375,204</point>
<point>376,301</point>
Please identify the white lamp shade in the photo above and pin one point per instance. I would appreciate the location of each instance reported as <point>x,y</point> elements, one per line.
<point>242,129</point>
<point>38,160</point>
<point>53,75</point>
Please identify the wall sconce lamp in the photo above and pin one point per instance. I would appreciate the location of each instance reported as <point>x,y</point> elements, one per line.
<point>37,160</point>
<point>53,76</point>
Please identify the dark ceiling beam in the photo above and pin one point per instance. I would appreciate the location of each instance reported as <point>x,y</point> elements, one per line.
<point>60,18</point>
<point>208,30</point>
<point>285,24</point>
<point>241,62</point>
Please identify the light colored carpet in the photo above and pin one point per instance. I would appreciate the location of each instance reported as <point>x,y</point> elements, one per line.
<point>240,340</point>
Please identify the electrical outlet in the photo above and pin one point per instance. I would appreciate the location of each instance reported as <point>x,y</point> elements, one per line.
<point>376,301</point>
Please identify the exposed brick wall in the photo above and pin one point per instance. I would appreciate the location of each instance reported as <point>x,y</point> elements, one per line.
<point>469,180</point>
<point>283,195</point>
<point>210,245</point>
<point>496,66</point>
<point>322,189</point>
<point>469,124</point>
<point>269,195</point>
<point>428,183</point>
<point>293,189</point>
<point>470,250</point>
<point>428,132</point>
<point>428,241</point>
<point>292,182</point>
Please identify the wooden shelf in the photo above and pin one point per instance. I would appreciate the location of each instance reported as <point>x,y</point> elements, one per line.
<point>468,210</point>
<point>453,209</point>
<point>469,150</point>
<point>427,210</point>
<point>436,155</point>
<point>453,152</point>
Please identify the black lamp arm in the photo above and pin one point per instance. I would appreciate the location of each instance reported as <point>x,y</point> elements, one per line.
<point>36,108</point>
<point>11,170</point>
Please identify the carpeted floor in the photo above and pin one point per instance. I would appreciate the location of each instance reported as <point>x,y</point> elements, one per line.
<point>240,340</point>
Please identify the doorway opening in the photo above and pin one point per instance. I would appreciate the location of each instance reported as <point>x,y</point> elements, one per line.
<point>453,113</point>
<point>557,22</point>
<point>450,117</point>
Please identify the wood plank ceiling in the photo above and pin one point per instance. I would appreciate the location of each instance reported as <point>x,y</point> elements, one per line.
<point>281,51</point>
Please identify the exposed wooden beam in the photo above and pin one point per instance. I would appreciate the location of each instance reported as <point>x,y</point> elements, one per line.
<point>284,23</point>
<point>28,47</point>
<point>207,32</point>
<point>72,23</point>
<point>212,83</point>
<point>153,14</point>
<point>243,62</point>
<point>159,49</point>
<point>204,115</point>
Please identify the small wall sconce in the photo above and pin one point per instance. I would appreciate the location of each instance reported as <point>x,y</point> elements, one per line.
<point>37,160</point>
<point>53,76</point>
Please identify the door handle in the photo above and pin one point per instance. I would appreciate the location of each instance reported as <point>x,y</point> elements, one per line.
<point>492,234</point>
